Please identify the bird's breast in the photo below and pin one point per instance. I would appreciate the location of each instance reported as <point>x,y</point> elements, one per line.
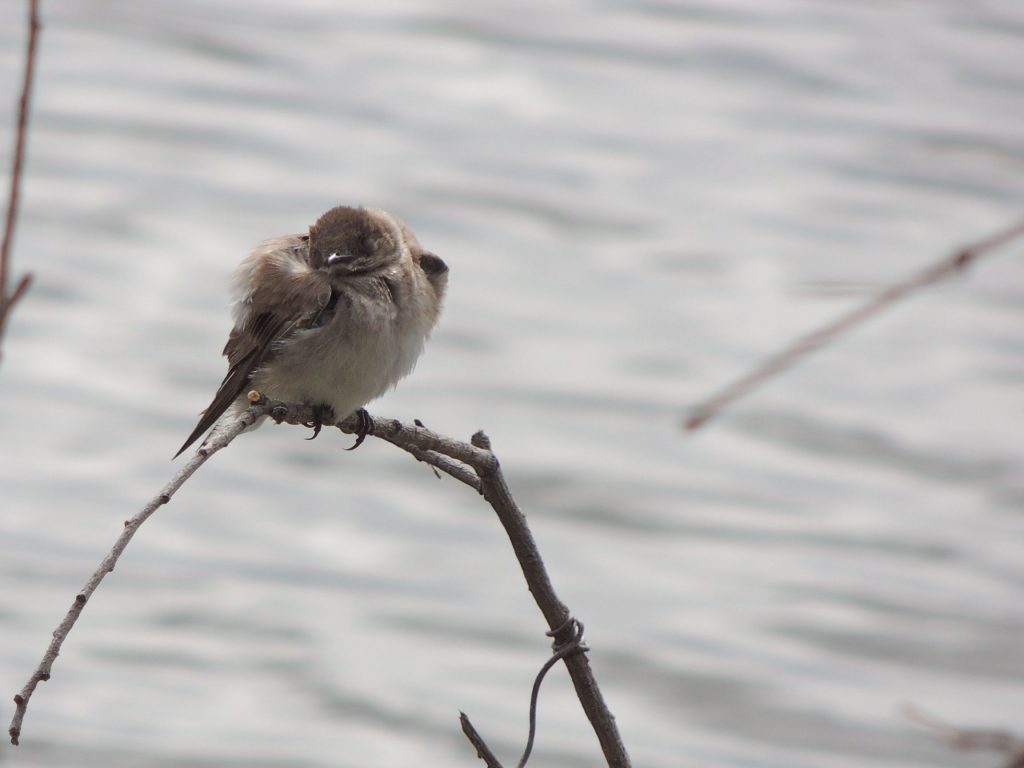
<point>365,349</point>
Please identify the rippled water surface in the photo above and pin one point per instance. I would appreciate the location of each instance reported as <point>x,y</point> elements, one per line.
<point>638,201</point>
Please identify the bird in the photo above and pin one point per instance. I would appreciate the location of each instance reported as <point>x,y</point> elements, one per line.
<point>332,319</point>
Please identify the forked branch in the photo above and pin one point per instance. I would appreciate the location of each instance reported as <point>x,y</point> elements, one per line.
<point>473,464</point>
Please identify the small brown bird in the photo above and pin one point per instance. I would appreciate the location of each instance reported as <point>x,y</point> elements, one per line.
<point>332,319</point>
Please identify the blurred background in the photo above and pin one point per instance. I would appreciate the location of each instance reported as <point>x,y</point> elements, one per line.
<point>638,201</point>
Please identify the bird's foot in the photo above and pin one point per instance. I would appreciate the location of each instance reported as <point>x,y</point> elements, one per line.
<point>321,413</point>
<point>365,428</point>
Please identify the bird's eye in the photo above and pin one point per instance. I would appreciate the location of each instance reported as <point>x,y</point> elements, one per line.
<point>432,264</point>
<point>337,258</point>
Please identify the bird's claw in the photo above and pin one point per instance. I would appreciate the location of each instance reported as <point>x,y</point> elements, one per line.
<point>321,413</point>
<point>365,428</point>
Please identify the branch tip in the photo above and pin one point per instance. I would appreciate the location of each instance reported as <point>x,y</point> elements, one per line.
<point>482,750</point>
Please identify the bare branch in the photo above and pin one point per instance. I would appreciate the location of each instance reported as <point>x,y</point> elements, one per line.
<point>780,361</point>
<point>478,457</point>
<point>7,301</point>
<point>471,463</point>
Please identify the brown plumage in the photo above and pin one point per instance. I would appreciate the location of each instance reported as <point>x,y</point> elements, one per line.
<point>331,318</point>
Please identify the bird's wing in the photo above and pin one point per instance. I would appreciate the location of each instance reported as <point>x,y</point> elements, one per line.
<point>285,295</point>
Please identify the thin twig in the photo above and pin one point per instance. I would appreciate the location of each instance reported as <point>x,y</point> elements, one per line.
<point>471,463</point>
<point>7,301</point>
<point>970,738</point>
<point>42,672</point>
<point>779,362</point>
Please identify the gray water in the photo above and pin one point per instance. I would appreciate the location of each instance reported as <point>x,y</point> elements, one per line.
<point>638,201</point>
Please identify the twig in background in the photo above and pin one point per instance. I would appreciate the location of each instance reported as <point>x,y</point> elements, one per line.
<point>779,362</point>
<point>471,463</point>
<point>970,738</point>
<point>8,300</point>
